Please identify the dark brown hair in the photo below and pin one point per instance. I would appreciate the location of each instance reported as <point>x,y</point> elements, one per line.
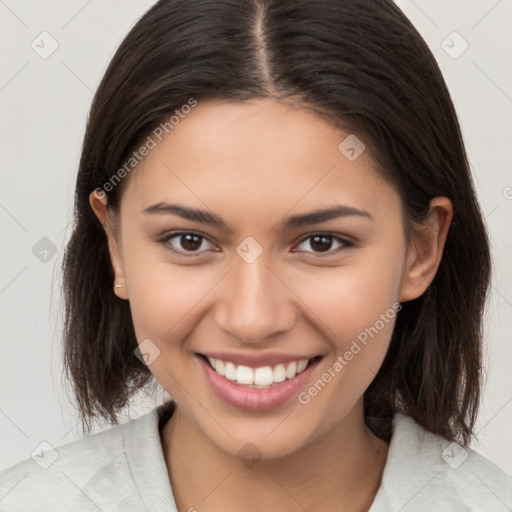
<point>362,66</point>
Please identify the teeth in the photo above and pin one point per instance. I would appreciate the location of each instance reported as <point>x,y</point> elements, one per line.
<point>301,365</point>
<point>280,373</point>
<point>291,370</point>
<point>220,367</point>
<point>244,375</point>
<point>263,376</point>
<point>230,370</point>
<point>260,378</point>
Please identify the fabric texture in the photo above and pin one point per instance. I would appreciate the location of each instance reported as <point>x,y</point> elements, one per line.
<point>123,469</point>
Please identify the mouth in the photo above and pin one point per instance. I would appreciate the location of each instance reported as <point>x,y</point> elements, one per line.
<point>256,388</point>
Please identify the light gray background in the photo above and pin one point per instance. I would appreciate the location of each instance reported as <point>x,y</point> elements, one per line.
<point>44,104</point>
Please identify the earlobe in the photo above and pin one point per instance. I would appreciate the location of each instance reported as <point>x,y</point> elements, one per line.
<point>120,288</point>
<point>98,202</point>
<point>426,251</point>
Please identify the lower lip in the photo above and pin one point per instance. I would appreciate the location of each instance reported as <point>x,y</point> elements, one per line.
<point>251,399</point>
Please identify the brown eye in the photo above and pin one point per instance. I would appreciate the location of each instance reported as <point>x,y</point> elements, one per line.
<point>186,242</point>
<point>322,243</point>
<point>190,242</point>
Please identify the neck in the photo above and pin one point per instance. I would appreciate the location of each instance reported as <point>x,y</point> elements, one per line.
<point>341,470</point>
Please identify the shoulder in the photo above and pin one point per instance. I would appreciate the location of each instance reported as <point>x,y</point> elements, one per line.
<point>88,474</point>
<point>424,471</point>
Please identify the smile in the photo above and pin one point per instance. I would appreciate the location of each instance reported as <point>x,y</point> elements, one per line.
<point>258,378</point>
<point>256,388</point>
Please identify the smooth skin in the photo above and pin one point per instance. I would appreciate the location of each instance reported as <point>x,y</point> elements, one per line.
<point>254,164</point>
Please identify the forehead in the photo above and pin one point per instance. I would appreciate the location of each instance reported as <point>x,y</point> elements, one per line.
<point>260,155</point>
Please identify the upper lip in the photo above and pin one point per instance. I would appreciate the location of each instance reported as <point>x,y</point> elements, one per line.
<point>256,360</point>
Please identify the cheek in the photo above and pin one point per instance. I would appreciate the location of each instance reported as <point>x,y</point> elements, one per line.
<point>349,299</point>
<point>162,300</point>
<point>355,307</point>
<point>357,316</point>
<point>162,295</point>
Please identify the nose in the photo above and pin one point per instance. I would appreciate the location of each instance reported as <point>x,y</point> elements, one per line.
<point>255,302</point>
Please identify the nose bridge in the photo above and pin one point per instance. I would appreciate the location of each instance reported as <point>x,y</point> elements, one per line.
<point>255,303</point>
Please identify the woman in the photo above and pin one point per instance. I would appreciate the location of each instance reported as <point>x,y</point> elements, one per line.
<point>276,221</point>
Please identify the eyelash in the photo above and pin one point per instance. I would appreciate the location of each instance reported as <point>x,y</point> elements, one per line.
<point>346,244</point>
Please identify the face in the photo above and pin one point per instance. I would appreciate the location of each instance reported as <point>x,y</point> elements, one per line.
<point>301,307</point>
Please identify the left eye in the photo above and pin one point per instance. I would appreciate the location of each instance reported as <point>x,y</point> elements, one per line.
<point>322,242</point>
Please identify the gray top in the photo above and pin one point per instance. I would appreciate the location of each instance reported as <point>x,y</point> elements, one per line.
<point>123,469</point>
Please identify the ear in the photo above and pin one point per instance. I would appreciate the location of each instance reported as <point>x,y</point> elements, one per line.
<point>98,202</point>
<point>426,249</point>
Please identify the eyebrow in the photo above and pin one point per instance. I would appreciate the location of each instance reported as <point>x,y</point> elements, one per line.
<point>294,221</point>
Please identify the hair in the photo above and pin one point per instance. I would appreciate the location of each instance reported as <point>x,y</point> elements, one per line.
<point>363,67</point>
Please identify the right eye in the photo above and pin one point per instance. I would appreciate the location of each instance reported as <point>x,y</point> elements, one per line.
<point>188,243</point>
